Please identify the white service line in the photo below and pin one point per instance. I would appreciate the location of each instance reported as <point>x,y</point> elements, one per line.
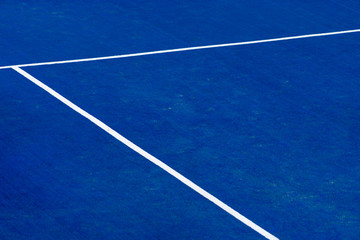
<point>148,156</point>
<point>183,49</point>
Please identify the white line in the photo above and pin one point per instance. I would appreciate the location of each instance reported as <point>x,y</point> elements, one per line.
<point>148,156</point>
<point>183,49</point>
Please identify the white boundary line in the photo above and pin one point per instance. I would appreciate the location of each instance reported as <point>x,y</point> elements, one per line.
<point>184,49</point>
<point>148,156</point>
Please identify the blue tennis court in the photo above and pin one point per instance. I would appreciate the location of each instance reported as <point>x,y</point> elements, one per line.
<point>179,120</point>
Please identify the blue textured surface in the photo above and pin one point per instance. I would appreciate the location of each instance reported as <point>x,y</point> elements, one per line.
<point>271,129</point>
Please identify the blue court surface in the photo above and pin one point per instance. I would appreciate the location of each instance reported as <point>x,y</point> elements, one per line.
<point>270,130</point>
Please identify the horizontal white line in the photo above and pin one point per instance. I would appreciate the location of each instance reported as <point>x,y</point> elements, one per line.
<point>183,49</point>
<point>148,156</point>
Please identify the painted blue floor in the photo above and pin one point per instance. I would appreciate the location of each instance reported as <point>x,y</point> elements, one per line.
<point>271,129</point>
<point>64,178</point>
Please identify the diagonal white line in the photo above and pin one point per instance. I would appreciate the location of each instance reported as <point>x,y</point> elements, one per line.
<point>148,156</point>
<point>183,49</point>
